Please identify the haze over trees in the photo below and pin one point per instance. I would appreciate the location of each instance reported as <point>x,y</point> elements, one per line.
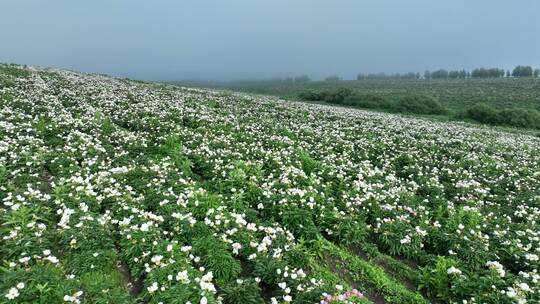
<point>302,79</point>
<point>518,71</point>
<point>522,71</point>
<point>487,73</point>
<point>332,78</point>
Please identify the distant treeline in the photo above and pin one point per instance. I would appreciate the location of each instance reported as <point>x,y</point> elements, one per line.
<point>518,71</point>
<point>423,104</point>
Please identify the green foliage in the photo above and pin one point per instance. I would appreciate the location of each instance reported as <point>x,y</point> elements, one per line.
<point>420,104</point>
<point>216,258</point>
<point>172,147</point>
<point>369,101</point>
<point>43,284</point>
<point>522,71</point>
<point>244,291</point>
<point>103,288</point>
<point>399,238</point>
<point>484,114</point>
<point>204,202</point>
<point>14,71</point>
<point>266,268</point>
<point>436,279</point>
<point>336,96</point>
<point>513,117</point>
<point>487,73</point>
<point>300,222</point>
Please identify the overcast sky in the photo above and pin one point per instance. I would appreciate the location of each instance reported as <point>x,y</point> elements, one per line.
<point>232,39</point>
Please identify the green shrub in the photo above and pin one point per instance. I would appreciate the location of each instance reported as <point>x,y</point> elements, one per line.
<point>520,118</point>
<point>266,268</point>
<point>216,258</point>
<point>368,101</point>
<point>336,96</point>
<point>483,113</point>
<point>514,117</point>
<point>419,104</point>
<point>437,278</point>
<point>242,291</point>
<point>312,95</point>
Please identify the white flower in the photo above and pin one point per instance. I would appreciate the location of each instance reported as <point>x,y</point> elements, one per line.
<point>46,252</point>
<point>152,288</point>
<point>236,247</point>
<point>406,240</point>
<point>144,227</point>
<point>511,293</point>
<point>12,293</point>
<point>157,259</point>
<point>24,260</point>
<point>74,298</point>
<point>497,266</point>
<point>531,257</point>
<point>453,270</point>
<point>524,286</point>
<point>20,285</point>
<point>52,259</point>
<point>182,276</point>
<point>203,300</point>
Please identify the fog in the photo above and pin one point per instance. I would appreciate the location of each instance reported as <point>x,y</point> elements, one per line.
<point>238,39</point>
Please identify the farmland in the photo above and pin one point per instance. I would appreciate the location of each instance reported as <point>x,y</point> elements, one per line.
<point>509,102</point>
<point>456,94</point>
<point>117,191</point>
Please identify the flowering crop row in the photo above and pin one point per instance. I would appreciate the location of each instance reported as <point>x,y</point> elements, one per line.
<point>115,191</point>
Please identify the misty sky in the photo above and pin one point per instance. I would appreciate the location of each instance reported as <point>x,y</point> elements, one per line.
<point>232,39</point>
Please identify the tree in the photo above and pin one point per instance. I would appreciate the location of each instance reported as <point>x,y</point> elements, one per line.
<point>427,74</point>
<point>536,73</point>
<point>302,79</point>
<point>487,73</point>
<point>522,71</point>
<point>439,74</point>
<point>360,76</point>
<point>409,75</point>
<point>377,76</point>
<point>507,73</point>
<point>332,78</point>
<point>453,74</point>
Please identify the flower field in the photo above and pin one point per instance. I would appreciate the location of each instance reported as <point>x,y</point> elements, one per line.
<point>118,191</point>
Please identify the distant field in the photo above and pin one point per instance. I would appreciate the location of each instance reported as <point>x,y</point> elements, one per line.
<point>453,93</point>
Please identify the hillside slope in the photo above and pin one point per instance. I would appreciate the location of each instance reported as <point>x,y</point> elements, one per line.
<point>115,191</point>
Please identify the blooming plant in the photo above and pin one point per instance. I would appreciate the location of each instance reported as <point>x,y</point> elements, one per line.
<point>347,297</point>
<point>118,191</point>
